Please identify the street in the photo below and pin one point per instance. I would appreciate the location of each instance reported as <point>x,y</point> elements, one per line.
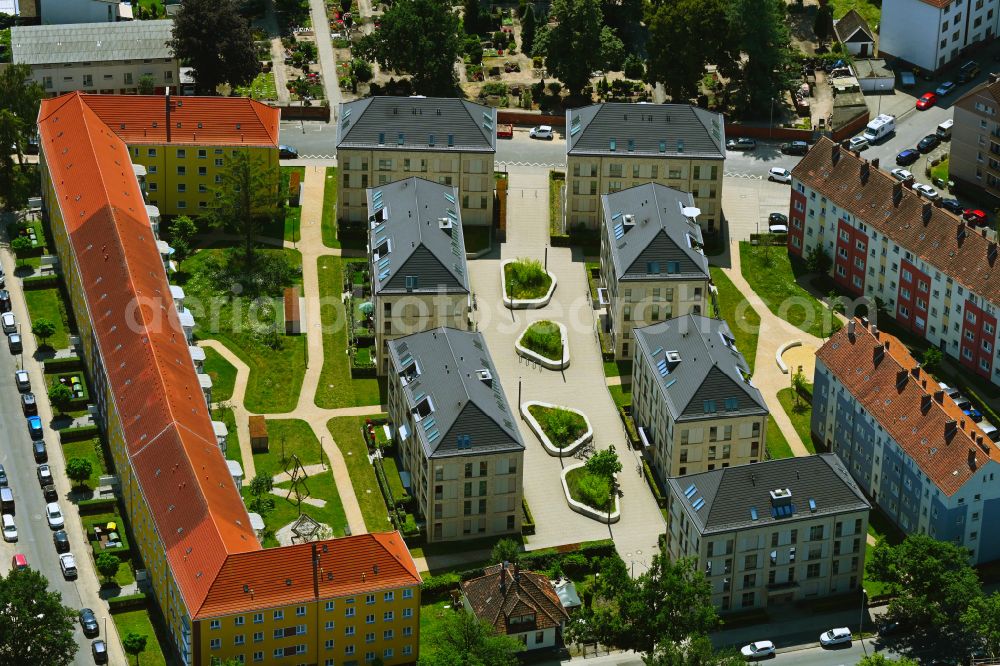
<point>819,656</point>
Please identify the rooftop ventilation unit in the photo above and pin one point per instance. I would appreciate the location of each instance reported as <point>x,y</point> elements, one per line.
<point>444,223</point>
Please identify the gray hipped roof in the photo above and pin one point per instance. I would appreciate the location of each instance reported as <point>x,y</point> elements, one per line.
<point>648,231</point>
<point>91,42</point>
<point>696,360</point>
<point>469,414</point>
<point>728,499</point>
<point>417,123</point>
<point>408,218</point>
<point>648,130</point>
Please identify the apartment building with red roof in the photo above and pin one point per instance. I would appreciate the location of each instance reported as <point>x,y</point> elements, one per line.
<point>906,443</point>
<point>222,595</point>
<point>935,275</point>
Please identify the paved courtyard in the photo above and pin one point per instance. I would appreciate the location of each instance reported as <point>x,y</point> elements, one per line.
<point>581,386</point>
<point>748,201</point>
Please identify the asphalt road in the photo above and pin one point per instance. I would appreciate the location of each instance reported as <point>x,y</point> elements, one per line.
<point>839,656</point>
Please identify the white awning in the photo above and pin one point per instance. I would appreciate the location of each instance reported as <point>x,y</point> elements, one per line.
<point>645,440</point>
<point>197,353</point>
<point>404,432</point>
<point>602,296</point>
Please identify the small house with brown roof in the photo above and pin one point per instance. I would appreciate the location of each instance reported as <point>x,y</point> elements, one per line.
<point>854,33</point>
<point>522,604</point>
<point>907,444</point>
<point>258,434</point>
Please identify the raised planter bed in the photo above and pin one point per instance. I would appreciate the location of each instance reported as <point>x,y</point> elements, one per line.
<point>542,360</point>
<point>524,303</point>
<point>551,448</point>
<point>585,509</point>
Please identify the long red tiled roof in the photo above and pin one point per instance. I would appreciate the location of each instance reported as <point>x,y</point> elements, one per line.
<point>286,576</point>
<point>917,425</point>
<point>225,121</point>
<point>935,238</point>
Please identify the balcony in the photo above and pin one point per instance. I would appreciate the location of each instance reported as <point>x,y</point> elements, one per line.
<point>777,587</point>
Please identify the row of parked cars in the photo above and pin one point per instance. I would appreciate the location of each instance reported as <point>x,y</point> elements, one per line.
<point>766,649</point>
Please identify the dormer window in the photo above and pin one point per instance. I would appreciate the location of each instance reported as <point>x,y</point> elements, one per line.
<point>412,282</point>
<point>409,372</point>
<point>383,248</point>
<point>423,409</point>
<point>379,216</point>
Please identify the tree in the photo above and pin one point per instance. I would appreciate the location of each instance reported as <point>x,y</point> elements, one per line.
<point>37,627</point>
<point>19,100</point>
<point>932,581</point>
<point>696,652</point>
<point>417,37</point>
<point>245,200</point>
<point>670,602</point>
<point>21,246</point>
<point>79,469</point>
<point>982,619</point>
<point>612,50</point>
<point>182,231</point>
<point>528,27</point>
<point>570,47</point>
<point>146,84</point>
<point>362,70</point>
<point>817,260</point>
<point>134,644</point>
<point>604,464</point>
<point>823,23</point>
<point>474,17</point>
<point>931,358</point>
<point>43,328</point>
<point>505,550</point>
<point>879,659</point>
<point>764,38</point>
<point>462,639</point>
<point>216,40</point>
<point>260,485</point>
<point>60,396</point>
<point>634,67</point>
<point>107,565</point>
<point>799,385</point>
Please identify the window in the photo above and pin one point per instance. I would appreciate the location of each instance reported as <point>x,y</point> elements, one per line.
<point>812,571</point>
<point>389,596</point>
<point>407,649</point>
<point>388,616</point>
<point>239,620</point>
<point>258,618</point>
<point>300,611</point>
<point>279,615</point>
<point>216,643</point>
<point>370,599</point>
<point>258,656</point>
<point>239,639</point>
<point>215,624</point>
<point>88,80</point>
<point>181,170</point>
<point>349,650</point>
<point>329,625</point>
<point>258,636</point>
<point>349,631</point>
<point>407,631</point>
<point>181,187</point>
<point>370,619</point>
<point>328,644</point>
<point>387,652</point>
<point>407,612</point>
<point>408,593</point>
<point>370,637</point>
<point>218,161</point>
<point>387,635</point>
<point>202,171</point>
<point>349,612</point>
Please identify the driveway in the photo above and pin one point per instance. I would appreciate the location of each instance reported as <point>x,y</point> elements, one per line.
<point>581,386</point>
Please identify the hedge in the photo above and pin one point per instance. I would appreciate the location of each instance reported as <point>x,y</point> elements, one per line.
<point>63,364</point>
<point>40,282</point>
<point>90,507</point>
<point>436,588</point>
<point>127,602</point>
<point>79,433</point>
<point>527,523</point>
<point>654,485</point>
<point>633,434</point>
<point>363,373</point>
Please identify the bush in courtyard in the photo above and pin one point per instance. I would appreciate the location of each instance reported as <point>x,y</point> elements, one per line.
<point>526,278</point>
<point>545,338</point>
<point>594,490</point>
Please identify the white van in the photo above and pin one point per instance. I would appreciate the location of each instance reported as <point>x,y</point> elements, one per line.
<point>880,128</point>
<point>943,130</point>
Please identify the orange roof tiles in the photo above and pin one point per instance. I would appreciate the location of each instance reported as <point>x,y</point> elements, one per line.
<point>935,239</point>
<point>142,119</point>
<point>916,424</point>
<point>504,591</point>
<point>285,576</point>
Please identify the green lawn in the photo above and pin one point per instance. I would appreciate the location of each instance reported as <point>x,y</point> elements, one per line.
<point>526,279</point>
<point>223,374</point>
<point>89,449</point>
<point>329,221</point>
<point>618,368</point>
<point>123,577</point>
<point>777,445</point>
<point>869,11</point>
<point>800,413</point>
<point>261,88</point>
<point>555,201</point>
<point>589,489</point>
<point>430,626</point>
<point>743,320</point>
<point>293,214</point>
<point>941,170</point>
<point>287,437</point>
<point>346,431</point>
<point>770,273</point>
<point>138,622</point>
<point>621,394</point>
<point>879,525</point>
<point>48,304</point>
<point>336,388</point>
<point>275,373</point>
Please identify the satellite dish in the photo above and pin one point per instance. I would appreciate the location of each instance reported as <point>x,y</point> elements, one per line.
<point>690,211</point>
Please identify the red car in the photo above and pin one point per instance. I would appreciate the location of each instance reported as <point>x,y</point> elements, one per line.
<point>926,101</point>
<point>974,216</point>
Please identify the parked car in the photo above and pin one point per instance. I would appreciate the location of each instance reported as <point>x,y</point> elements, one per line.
<point>779,175</point>
<point>541,132</point>
<point>9,322</point>
<point>962,402</point>
<point>758,650</point>
<point>9,528</point>
<point>838,636</point>
<point>61,541</point>
<point>777,228</point>
<point>907,157</point>
<point>89,623</point>
<point>35,427</point>
<point>945,88</point>
<point>50,494</point>
<point>777,218</point>
<point>7,500</point>
<point>44,474</point>
<point>68,565</point>
<point>287,153</point>
<point>743,143</point>
<point>968,71</point>
<point>28,404</point>
<point>38,448</point>
<point>902,175</point>
<point>952,206</point>
<point>4,300</point>
<point>926,101</point>
<point>22,380</point>
<point>3,477</point>
<point>925,190</point>
<point>100,651</point>
<point>928,143</point>
<point>19,561</point>
<point>54,516</point>
<point>14,343</point>
<point>795,148</point>
<point>858,143</point>
<point>974,216</point>
<point>974,414</point>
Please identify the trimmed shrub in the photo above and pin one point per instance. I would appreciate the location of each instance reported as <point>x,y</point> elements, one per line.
<point>527,522</point>
<point>436,588</point>
<point>128,602</point>
<point>526,279</point>
<point>90,507</point>
<point>545,338</point>
<point>654,485</point>
<point>79,433</point>
<point>561,426</point>
<point>63,364</point>
<point>40,282</point>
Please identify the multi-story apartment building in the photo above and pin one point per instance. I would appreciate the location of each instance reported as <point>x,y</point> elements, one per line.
<point>931,272</point>
<point>974,159</point>
<point>444,140</point>
<point>222,596</point>
<point>184,142</point>
<point>652,265</point>
<point>907,444</point>
<point>933,33</point>
<point>104,58</point>
<point>417,253</point>
<point>613,146</point>
<point>779,531</point>
<point>457,436</point>
<point>692,399</point>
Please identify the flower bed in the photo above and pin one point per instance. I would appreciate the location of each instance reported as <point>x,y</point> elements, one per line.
<point>545,343</point>
<point>562,430</point>
<point>590,495</point>
<point>526,284</point>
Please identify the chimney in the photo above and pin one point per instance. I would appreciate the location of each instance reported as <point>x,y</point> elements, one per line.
<point>850,330</point>
<point>167,100</point>
<point>925,403</point>
<point>972,459</point>
<point>835,154</point>
<point>915,371</point>
<point>878,353</point>
<point>939,397</point>
<point>874,162</point>
<point>865,170</point>
<point>950,428</point>
<point>874,330</point>
<point>926,212</point>
<point>991,252</point>
<point>937,202</point>
<point>993,77</point>
<point>960,232</point>
<point>901,379</point>
<point>897,194</point>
